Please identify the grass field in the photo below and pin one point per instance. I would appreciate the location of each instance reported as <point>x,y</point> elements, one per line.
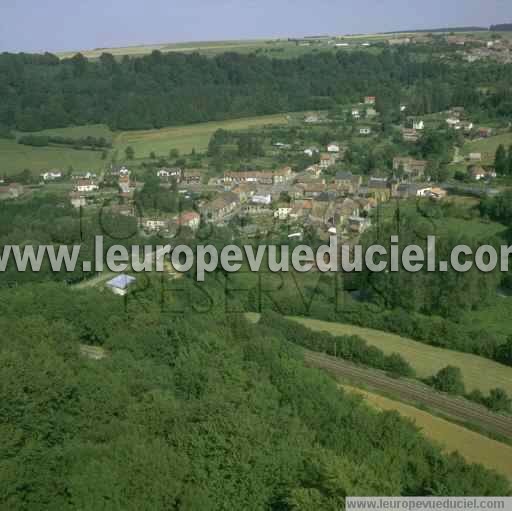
<point>488,146</point>
<point>14,158</point>
<point>91,130</point>
<point>478,372</point>
<point>186,138</point>
<point>474,447</point>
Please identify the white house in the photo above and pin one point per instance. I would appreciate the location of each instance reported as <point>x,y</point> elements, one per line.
<point>51,175</point>
<point>262,199</point>
<point>86,186</point>
<point>119,285</point>
<point>283,212</point>
<point>310,151</point>
<point>418,125</point>
<point>365,131</point>
<point>453,123</point>
<point>333,147</point>
<point>356,114</point>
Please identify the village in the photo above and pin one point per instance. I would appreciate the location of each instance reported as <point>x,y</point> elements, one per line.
<point>326,195</point>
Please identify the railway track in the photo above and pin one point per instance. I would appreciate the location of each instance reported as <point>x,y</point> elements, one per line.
<point>456,408</point>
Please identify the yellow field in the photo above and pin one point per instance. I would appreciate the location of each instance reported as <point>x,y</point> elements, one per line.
<point>478,372</point>
<point>474,447</point>
<point>186,138</point>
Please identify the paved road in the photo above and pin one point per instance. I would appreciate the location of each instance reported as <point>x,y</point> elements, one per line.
<point>456,408</point>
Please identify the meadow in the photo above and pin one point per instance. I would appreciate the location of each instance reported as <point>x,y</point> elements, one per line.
<point>186,138</point>
<point>478,372</point>
<point>488,146</point>
<point>474,447</point>
<point>14,158</point>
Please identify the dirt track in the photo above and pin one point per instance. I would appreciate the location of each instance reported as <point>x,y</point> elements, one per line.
<point>454,407</point>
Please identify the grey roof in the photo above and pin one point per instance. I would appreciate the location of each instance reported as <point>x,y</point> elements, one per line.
<point>121,281</point>
<point>344,175</point>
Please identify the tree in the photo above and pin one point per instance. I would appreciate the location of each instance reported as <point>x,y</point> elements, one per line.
<point>129,152</point>
<point>501,160</point>
<point>449,379</point>
<point>499,401</point>
<point>152,155</point>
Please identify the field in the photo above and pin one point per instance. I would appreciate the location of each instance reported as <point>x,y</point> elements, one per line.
<point>278,48</point>
<point>488,146</point>
<point>92,130</point>
<point>14,158</point>
<point>186,138</point>
<point>472,446</point>
<point>478,372</point>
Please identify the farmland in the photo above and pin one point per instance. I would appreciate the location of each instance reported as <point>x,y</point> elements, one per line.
<point>474,447</point>
<point>186,138</point>
<point>15,158</point>
<point>488,146</point>
<point>478,372</point>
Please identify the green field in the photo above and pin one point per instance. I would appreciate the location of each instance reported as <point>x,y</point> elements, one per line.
<point>478,372</point>
<point>488,146</point>
<point>91,130</point>
<point>14,158</point>
<point>186,138</point>
<point>474,447</point>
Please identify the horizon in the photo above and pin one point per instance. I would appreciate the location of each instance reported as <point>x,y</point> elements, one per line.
<point>59,27</point>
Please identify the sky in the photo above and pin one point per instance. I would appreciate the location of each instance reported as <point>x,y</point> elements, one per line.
<point>60,25</point>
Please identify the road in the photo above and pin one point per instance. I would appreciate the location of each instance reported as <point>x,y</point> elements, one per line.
<point>456,408</point>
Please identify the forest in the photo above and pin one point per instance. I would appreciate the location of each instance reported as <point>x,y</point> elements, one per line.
<point>41,91</point>
<point>190,411</point>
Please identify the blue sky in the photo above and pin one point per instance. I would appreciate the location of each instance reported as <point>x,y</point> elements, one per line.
<point>53,25</point>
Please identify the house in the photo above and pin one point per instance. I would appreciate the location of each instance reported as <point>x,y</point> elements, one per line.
<point>358,224</point>
<point>379,188</point>
<point>406,191</point>
<point>219,208</point>
<point>485,132</point>
<point>155,224</point>
<point>191,177</point>
<point>167,174</point>
<point>11,191</point>
<point>301,208</point>
<point>189,219</point>
<point>312,190</point>
<point>477,173</point>
<point>438,193</point>
<point>467,126</point>
<point>126,187</point>
<point>399,41</point>
<point>333,147</point>
<point>52,175</point>
<point>356,114</point>
<point>327,160</point>
<point>314,170</point>
<point>475,156</point>
<point>119,285</point>
<point>413,168</point>
<point>403,108</point>
<point>244,191</point>
<point>453,123</point>
<point>347,183</point>
<point>310,151</point>
<point>418,125</point>
<point>265,199</point>
<point>311,119</point>
<point>369,100</point>
<point>281,176</point>
<point>371,112</point>
<point>457,40</point>
<point>77,200</point>
<point>86,186</point>
<point>410,135</point>
<point>365,131</point>
<point>283,211</point>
